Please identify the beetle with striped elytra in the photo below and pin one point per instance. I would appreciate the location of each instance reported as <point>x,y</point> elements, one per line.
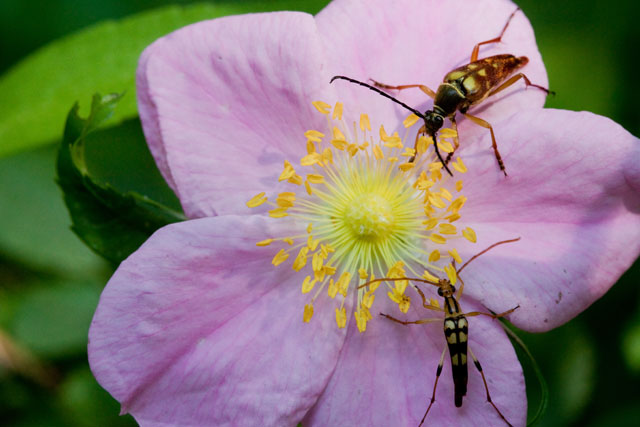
<point>456,330</point>
<point>462,88</point>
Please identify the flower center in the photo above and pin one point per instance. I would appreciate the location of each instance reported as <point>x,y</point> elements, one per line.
<point>370,217</point>
<point>366,213</point>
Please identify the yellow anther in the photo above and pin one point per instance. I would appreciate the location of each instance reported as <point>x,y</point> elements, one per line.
<point>408,152</point>
<point>280,257</point>
<point>445,146</point>
<point>327,156</point>
<point>307,285</point>
<point>343,283</point>
<point>332,289</point>
<point>339,144</point>
<point>364,122</point>
<point>367,299</point>
<point>301,259</point>
<point>470,235</point>
<point>322,107</point>
<point>312,243</point>
<point>329,270</point>
<point>278,212</point>
<point>410,120</point>
<point>284,203</point>
<point>436,238</point>
<point>362,273</point>
<point>453,217</point>
<point>406,166</point>
<point>337,134</point>
<point>361,321</point>
<point>309,227</point>
<point>337,111</point>
<point>377,152</point>
<point>326,249</point>
<point>317,261</point>
<point>311,147</point>
<point>308,188</point>
<point>434,303</point>
<point>315,178</point>
<point>437,201</point>
<point>288,171</point>
<point>257,200</point>
<point>434,255</point>
<point>396,270</point>
<point>459,166</point>
<point>308,313</point>
<point>448,229</point>
<point>341,317</point>
<point>352,149</point>
<point>459,186</point>
<point>423,143</point>
<point>428,276</point>
<point>446,194</point>
<point>295,179</point>
<point>457,204</point>
<point>436,174</point>
<point>384,137</point>
<point>455,255</point>
<point>265,242</point>
<point>404,304</point>
<point>288,240</point>
<point>451,273</point>
<point>448,133</point>
<point>311,159</point>
<point>393,141</point>
<point>392,159</point>
<point>314,135</point>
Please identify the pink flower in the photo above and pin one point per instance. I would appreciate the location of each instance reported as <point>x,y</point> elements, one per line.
<point>199,328</point>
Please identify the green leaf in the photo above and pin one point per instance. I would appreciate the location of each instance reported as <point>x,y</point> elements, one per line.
<point>36,93</point>
<point>112,223</point>
<point>52,319</point>
<point>544,389</point>
<point>34,222</point>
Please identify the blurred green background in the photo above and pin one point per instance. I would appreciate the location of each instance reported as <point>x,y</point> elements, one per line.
<point>50,282</point>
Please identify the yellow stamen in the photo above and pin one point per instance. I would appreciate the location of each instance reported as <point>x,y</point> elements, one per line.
<point>257,200</point>
<point>308,313</point>
<point>341,317</point>
<point>470,235</point>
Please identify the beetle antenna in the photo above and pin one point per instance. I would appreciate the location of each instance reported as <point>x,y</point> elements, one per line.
<point>486,250</point>
<point>375,89</point>
<point>435,147</point>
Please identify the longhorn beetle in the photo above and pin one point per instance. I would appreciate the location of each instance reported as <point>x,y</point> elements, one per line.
<point>461,89</point>
<point>456,330</point>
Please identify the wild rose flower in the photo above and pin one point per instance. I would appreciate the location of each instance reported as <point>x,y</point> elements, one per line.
<point>201,326</point>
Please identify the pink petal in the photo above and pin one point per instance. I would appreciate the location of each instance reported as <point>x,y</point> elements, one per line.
<point>571,194</point>
<point>420,41</point>
<point>198,328</point>
<point>385,376</point>
<point>231,98</point>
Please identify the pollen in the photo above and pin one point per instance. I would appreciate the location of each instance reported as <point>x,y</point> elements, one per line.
<point>359,209</point>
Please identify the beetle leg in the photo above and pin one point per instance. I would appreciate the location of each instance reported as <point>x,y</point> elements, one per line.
<point>456,142</point>
<point>486,388</point>
<point>412,322</point>
<point>421,131</point>
<point>485,124</point>
<point>435,384</point>
<point>476,48</point>
<point>423,88</point>
<point>425,304</point>
<point>514,79</point>
<point>492,315</point>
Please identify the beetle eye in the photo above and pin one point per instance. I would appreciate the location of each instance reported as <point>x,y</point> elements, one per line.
<point>440,292</point>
